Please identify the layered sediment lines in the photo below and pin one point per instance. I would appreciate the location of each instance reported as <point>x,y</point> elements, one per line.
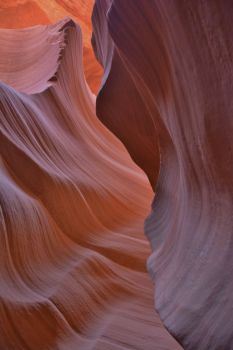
<point>73,254</point>
<point>167,94</point>
<point>16,14</point>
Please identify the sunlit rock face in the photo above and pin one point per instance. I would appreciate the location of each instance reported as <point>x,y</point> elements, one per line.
<point>73,253</point>
<point>167,94</point>
<point>73,202</point>
<point>27,13</point>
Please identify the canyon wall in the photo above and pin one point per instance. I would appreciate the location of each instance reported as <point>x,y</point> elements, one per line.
<point>73,252</point>
<point>74,260</point>
<point>167,95</point>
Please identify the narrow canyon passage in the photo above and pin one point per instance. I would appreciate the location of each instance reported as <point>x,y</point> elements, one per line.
<point>116,182</point>
<point>73,262</point>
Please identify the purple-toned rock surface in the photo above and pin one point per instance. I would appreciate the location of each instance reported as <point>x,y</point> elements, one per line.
<point>73,253</point>
<point>167,94</point>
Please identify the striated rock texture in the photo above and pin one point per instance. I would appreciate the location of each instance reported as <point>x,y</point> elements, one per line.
<point>167,94</point>
<point>26,13</point>
<point>73,254</point>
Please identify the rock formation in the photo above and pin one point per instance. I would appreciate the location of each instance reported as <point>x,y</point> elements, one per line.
<point>73,253</point>
<point>74,261</point>
<point>27,13</point>
<point>166,93</point>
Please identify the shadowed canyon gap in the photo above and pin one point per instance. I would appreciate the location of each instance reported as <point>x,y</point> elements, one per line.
<point>73,262</point>
<point>73,203</point>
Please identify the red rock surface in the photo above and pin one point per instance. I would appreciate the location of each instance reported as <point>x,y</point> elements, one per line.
<point>21,14</point>
<point>73,203</point>
<point>27,13</point>
<point>73,253</point>
<point>170,62</point>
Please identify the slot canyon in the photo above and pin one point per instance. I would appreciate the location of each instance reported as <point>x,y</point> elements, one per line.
<point>116,184</point>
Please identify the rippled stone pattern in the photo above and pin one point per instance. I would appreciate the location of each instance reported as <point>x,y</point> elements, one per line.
<point>73,253</point>
<point>167,94</point>
<point>27,13</point>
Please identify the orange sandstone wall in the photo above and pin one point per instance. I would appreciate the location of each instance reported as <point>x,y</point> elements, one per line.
<point>27,13</point>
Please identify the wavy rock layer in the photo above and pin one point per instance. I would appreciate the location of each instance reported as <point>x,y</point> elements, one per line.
<point>167,91</point>
<point>26,13</point>
<point>73,254</point>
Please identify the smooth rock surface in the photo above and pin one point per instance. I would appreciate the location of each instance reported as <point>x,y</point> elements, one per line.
<point>167,94</point>
<point>73,253</point>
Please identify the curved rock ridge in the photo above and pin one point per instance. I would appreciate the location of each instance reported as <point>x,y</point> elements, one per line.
<point>118,86</point>
<point>15,14</point>
<point>170,62</point>
<point>73,253</point>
